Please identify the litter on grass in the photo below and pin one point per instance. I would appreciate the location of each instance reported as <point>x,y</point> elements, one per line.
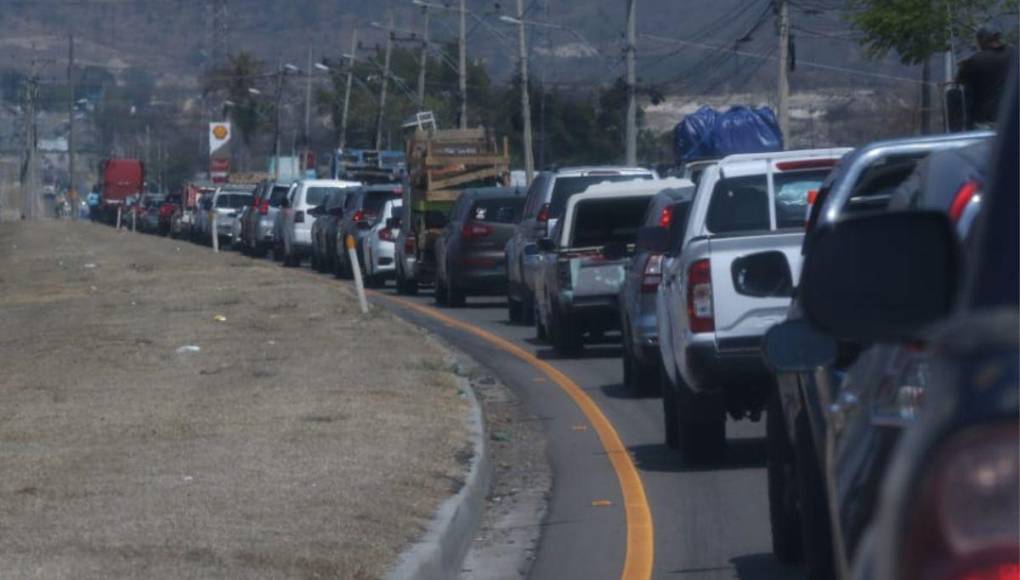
<point>188,348</point>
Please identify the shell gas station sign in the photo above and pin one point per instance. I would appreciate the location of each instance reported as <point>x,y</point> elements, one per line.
<point>219,152</point>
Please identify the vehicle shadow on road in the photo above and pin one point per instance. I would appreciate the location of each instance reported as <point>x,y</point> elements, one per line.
<point>740,454</point>
<point>620,391</point>
<point>588,352</point>
<point>764,565</point>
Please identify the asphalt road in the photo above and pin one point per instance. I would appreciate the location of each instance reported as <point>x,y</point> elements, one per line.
<point>708,522</point>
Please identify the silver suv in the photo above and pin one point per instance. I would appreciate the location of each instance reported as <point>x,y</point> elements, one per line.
<point>547,198</point>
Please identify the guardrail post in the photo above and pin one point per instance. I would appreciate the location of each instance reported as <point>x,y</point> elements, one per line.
<point>215,231</point>
<point>359,284</point>
<point>118,218</point>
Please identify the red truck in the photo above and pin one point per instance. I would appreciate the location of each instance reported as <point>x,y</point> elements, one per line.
<point>120,179</point>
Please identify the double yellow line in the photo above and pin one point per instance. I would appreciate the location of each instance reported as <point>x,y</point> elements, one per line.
<point>640,533</point>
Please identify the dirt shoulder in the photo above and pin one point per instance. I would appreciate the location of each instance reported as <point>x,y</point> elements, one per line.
<point>301,440</point>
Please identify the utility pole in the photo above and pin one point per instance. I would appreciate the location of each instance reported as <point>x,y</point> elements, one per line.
<point>385,83</point>
<point>30,181</point>
<point>631,145</point>
<point>72,192</point>
<point>522,53</point>
<point>276,122</point>
<point>784,63</point>
<point>462,65</point>
<point>347,90</point>
<point>424,60</point>
<point>306,139</point>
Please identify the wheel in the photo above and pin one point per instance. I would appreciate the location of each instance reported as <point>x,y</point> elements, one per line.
<point>669,410</point>
<point>565,336</point>
<point>814,509</point>
<point>528,309</point>
<point>278,251</point>
<point>784,514</point>
<point>314,260</point>
<point>439,295</point>
<point>336,268</point>
<point>405,286</point>
<point>702,426</point>
<point>627,359</point>
<point>455,297</point>
<point>540,331</point>
<point>514,309</point>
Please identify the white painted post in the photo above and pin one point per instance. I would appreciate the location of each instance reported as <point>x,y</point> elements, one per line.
<point>359,284</point>
<point>134,220</point>
<point>118,218</point>
<point>215,231</point>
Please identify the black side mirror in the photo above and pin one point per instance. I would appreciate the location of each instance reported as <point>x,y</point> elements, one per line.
<point>615,251</point>
<point>794,347</point>
<point>653,239</point>
<point>435,220</point>
<point>763,275</point>
<point>544,245</point>
<point>880,276</point>
<point>393,223</point>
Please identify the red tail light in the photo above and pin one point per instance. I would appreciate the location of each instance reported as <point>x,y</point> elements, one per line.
<point>652,274</point>
<point>543,214</point>
<point>475,231</point>
<point>699,297</point>
<point>359,216</point>
<point>963,523</point>
<point>409,245</point>
<point>803,164</point>
<point>963,197</point>
<point>299,217</point>
<point>666,217</point>
<point>386,235</point>
<point>264,207</point>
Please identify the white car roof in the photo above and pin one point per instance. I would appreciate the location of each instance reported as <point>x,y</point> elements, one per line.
<point>329,183</point>
<point>586,169</point>
<point>628,188</point>
<point>752,163</point>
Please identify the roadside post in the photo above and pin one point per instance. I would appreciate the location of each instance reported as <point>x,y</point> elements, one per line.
<point>215,232</point>
<point>359,285</point>
<point>118,218</point>
<point>134,220</point>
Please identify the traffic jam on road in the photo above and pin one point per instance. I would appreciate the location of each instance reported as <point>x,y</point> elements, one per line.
<point>860,302</point>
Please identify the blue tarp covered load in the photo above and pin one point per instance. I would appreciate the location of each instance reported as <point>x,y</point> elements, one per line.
<point>708,133</point>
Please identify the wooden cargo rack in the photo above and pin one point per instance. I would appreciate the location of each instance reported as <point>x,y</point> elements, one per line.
<point>441,164</point>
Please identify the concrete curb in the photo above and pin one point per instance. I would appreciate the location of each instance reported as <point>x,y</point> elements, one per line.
<point>440,553</point>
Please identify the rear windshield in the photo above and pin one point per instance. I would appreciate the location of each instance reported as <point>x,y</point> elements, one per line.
<point>499,211</point>
<point>791,195</point>
<point>603,221</point>
<point>567,186</point>
<point>317,195</point>
<point>375,200</point>
<point>739,204</point>
<point>233,200</point>
<point>278,195</point>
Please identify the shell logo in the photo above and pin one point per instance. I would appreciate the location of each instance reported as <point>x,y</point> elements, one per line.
<point>220,132</point>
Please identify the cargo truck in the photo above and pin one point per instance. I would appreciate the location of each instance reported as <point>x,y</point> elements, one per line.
<point>120,179</point>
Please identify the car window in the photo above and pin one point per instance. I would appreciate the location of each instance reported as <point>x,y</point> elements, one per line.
<point>500,210</point>
<point>278,195</point>
<point>602,221</point>
<point>233,200</point>
<point>535,194</point>
<point>373,201</point>
<point>318,194</point>
<point>566,186</point>
<point>791,191</point>
<point>678,226</point>
<point>739,204</point>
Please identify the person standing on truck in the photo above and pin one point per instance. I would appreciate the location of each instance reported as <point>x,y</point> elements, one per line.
<point>984,76</point>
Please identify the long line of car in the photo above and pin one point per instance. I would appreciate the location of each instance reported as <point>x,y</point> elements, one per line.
<point>797,285</point>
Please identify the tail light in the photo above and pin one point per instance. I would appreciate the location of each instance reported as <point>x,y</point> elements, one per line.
<point>543,214</point>
<point>652,274</point>
<point>812,197</point>
<point>699,297</point>
<point>471,232</point>
<point>359,216</point>
<point>962,199</point>
<point>409,245</point>
<point>386,235</point>
<point>964,522</point>
<point>666,217</point>
<point>299,217</point>
<point>264,207</point>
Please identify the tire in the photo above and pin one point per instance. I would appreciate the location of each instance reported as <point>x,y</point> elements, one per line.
<point>314,260</point>
<point>406,287</point>
<point>334,266</point>
<point>702,425</point>
<point>541,333</point>
<point>439,295</point>
<point>528,310</point>
<point>669,411</point>
<point>784,513</point>
<point>514,310</point>
<point>814,509</point>
<point>455,297</point>
<point>565,336</point>
<point>278,251</point>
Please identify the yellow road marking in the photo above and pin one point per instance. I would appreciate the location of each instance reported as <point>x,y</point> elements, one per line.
<point>601,503</point>
<point>640,533</point>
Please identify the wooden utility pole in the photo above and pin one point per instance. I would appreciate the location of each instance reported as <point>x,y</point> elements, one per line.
<point>276,122</point>
<point>347,90</point>
<point>784,63</point>
<point>424,60</point>
<point>30,177</point>
<point>522,54</point>
<point>72,191</point>
<point>385,83</point>
<point>462,65</point>
<point>631,138</point>
<point>308,100</point>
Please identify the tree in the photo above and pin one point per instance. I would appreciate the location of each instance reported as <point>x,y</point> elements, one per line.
<point>917,29</point>
<point>234,81</point>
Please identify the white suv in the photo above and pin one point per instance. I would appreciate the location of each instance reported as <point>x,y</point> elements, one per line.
<point>294,241</point>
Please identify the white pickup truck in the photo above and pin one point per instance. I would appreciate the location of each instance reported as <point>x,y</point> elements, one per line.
<point>715,302</point>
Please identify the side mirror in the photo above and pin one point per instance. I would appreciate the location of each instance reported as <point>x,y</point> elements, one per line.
<point>317,211</point>
<point>880,276</point>
<point>285,203</point>
<point>653,239</point>
<point>393,223</point>
<point>763,275</point>
<point>435,220</point>
<point>615,251</point>
<point>794,346</point>
<point>543,245</point>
